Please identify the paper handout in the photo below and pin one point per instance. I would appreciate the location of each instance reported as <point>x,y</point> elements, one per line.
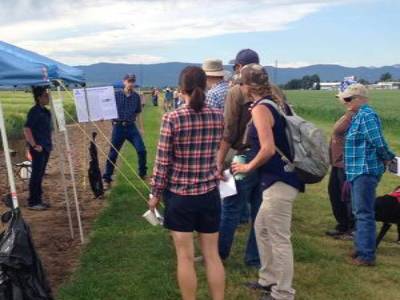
<point>228,187</point>
<point>394,166</point>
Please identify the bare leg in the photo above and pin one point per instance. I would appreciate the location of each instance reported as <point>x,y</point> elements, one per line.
<point>185,255</point>
<point>214,267</point>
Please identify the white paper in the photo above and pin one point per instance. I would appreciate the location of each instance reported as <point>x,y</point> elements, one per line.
<point>59,112</point>
<point>101,102</point>
<point>227,188</point>
<point>395,168</point>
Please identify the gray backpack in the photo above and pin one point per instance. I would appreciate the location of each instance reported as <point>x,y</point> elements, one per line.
<point>308,146</point>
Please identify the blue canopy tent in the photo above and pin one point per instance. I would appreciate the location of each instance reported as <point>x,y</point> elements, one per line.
<point>20,67</point>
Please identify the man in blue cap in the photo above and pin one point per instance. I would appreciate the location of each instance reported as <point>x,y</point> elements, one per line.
<point>124,128</point>
<point>237,117</point>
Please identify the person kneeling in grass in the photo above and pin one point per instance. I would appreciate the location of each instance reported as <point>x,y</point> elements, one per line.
<point>185,174</point>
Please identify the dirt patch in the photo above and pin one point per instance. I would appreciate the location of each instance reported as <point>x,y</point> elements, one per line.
<point>50,229</point>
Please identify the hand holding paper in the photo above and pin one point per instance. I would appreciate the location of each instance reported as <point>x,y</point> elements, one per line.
<point>228,187</point>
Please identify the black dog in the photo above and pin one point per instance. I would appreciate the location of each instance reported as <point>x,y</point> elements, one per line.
<point>387,210</point>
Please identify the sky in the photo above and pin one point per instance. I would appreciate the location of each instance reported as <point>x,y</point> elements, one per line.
<point>294,33</point>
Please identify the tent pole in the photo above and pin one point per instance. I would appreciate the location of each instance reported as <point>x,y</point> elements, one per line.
<point>71,170</point>
<point>62,165</point>
<point>10,172</point>
<point>87,128</point>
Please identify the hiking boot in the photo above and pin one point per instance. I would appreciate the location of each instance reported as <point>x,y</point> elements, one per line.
<point>254,285</point>
<point>37,207</point>
<point>358,262</point>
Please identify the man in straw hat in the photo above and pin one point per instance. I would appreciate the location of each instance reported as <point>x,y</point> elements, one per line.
<point>217,85</point>
<point>366,155</point>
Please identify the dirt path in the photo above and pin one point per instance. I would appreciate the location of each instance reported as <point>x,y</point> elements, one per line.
<point>50,229</point>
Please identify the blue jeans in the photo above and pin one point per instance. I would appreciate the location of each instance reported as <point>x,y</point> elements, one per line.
<point>121,133</point>
<point>363,197</point>
<point>248,192</point>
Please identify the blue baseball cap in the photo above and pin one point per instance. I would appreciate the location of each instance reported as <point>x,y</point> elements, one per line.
<point>130,77</point>
<point>245,57</point>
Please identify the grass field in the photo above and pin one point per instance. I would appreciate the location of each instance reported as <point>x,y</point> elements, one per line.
<point>128,259</point>
<point>17,104</point>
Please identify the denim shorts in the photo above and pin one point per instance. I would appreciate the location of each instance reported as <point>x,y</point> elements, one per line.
<point>201,213</point>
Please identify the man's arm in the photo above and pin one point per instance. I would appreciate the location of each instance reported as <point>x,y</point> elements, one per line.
<point>231,127</point>
<point>343,123</point>
<point>141,123</point>
<point>375,136</point>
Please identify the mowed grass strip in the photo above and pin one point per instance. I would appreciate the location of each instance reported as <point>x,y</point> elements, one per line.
<point>127,258</point>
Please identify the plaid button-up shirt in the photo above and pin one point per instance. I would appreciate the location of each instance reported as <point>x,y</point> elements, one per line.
<point>216,95</point>
<point>128,106</point>
<point>365,147</point>
<point>186,153</point>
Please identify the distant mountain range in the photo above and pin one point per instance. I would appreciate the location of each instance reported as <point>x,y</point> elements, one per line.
<point>166,74</point>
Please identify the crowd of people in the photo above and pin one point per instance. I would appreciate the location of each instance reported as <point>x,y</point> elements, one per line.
<point>224,124</point>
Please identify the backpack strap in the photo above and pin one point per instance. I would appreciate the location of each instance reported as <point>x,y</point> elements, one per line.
<point>282,113</point>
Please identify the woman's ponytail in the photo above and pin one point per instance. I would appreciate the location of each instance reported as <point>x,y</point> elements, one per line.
<point>197,99</point>
<point>193,82</point>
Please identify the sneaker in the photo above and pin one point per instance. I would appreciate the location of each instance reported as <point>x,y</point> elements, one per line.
<point>107,185</point>
<point>145,178</point>
<point>353,254</point>
<point>37,207</point>
<point>358,262</point>
<point>267,297</point>
<point>46,204</point>
<point>254,285</point>
<point>348,236</point>
<point>334,233</point>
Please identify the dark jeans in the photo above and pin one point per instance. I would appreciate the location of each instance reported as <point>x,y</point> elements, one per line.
<point>363,196</point>
<point>232,207</point>
<point>341,208</point>
<point>155,100</point>
<point>121,133</point>
<point>39,163</point>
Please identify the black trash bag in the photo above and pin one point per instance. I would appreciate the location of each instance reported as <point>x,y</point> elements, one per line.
<point>95,179</point>
<point>22,276</point>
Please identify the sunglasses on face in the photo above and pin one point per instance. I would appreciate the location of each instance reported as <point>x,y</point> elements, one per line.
<point>348,99</point>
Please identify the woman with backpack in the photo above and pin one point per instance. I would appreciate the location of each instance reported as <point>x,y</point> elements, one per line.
<point>280,184</point>
<point>186,176</point>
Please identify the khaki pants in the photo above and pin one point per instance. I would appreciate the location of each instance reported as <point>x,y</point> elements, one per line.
<point>273,233</point>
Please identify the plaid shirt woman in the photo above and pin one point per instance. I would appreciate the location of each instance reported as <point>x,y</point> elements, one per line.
<point>185,174</point>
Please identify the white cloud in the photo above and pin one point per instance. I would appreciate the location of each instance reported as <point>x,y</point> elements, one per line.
<point>122,30</point>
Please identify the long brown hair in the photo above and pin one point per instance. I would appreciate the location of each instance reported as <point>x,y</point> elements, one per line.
<point>193,81</point>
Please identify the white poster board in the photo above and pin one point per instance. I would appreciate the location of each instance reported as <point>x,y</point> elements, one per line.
<point>101,102</point>
<point>59,112</point>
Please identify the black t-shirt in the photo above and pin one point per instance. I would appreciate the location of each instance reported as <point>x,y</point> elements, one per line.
<point>39,121</point>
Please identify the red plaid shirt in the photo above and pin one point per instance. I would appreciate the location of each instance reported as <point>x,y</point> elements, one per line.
<point>186,154</point>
